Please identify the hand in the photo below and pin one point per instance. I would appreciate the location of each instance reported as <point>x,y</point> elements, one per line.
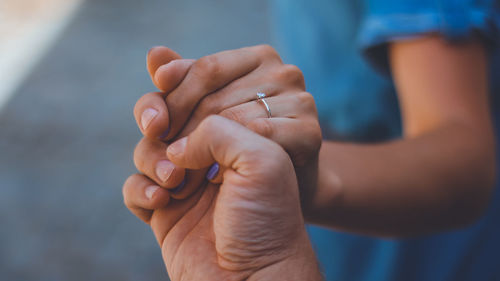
<point>226,83</point>
<point>251,228</point>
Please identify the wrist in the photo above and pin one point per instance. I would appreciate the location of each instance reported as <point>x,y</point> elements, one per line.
<point>308,179</point>
<point>326,195</point>
<point>301,265</point>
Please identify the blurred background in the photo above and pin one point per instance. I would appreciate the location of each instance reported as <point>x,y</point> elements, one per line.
<point>70,73</point>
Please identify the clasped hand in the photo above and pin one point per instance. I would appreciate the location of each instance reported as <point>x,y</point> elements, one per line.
<point>252,224</point>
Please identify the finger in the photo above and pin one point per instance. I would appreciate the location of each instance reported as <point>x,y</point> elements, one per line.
<point>193,180</point>
<point>236,93</point>
<point>272,79</point>
<point>289,105</point>
<point>151,115</point>
<point>142,195</point>
<point>285,132</point>
<point>285,106</point>
<point>220,140</point>
<point>301,139</point>
<point>158,56</point>
<point>163,220</point>
<point>205,76</point>
<point>150,159</point>
<point>168,76</point>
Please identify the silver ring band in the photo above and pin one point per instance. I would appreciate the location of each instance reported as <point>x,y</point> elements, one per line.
<point>261,97</point>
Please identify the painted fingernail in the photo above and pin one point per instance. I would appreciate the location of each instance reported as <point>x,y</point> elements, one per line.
<point>150,191</point>
<point>213,171</point>
<point>179,188</point>
<point>164,169</point>
<point>147,116</point>
<point>165,134</point>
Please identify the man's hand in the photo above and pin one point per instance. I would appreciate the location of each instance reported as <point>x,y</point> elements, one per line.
<point>251,228</point>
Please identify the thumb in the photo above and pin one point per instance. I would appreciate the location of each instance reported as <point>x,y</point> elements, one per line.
<point>228,143</point>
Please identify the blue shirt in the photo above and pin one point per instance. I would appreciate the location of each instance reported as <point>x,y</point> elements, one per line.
<point>339,44</point>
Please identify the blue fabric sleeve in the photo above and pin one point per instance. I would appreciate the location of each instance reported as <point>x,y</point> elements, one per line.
<point>455,20</point>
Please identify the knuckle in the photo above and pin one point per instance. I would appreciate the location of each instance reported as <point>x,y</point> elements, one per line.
<point>306,100</point>
<point>147,152</point>
<point>316,138</point>
<point>207,64</point>
<point>266,50</point>
<point>207,69</point>
<point>138,159</point>
<point>309,146</point>
<point>295,75</point>
<point>290,74</point>
<point>129,183</point>
<point>142,101</point>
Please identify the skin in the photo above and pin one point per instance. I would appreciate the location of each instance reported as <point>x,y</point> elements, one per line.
<point>231,81</point>
<point>234,231</point>
<point>438,176</point>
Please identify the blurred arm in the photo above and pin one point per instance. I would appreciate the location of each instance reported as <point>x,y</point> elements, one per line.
<point>440,174</point>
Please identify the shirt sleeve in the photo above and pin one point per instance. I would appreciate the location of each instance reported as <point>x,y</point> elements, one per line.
<point>391,20</point>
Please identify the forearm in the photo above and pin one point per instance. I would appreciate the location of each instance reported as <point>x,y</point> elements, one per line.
<point>439,180</point>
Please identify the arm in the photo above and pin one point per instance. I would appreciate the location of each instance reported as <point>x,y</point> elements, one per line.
<point>440,174</point>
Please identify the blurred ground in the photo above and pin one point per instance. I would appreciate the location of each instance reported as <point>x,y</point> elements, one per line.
<point>28,28</point>
<point>67,136</point>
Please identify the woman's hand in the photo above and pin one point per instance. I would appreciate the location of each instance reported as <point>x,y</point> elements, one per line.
<point>226,83</point>
<point>251,228</point>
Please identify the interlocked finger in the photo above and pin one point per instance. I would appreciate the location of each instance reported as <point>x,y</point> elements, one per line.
<point>141,196</point>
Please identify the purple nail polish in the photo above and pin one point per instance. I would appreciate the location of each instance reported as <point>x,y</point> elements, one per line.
<point>180,187</point>
<point>213,171</point>
<point>165,134</point>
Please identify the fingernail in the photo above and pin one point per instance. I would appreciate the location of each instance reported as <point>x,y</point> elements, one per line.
<point>213,171</point>
<point>177,147</point>
<point>180,187</point>
<point>165,134</point>
<point>147,116</point>
<point>164,169</point>
<point>150,50</point>
<point>182,62</point>
<point>150,191</point>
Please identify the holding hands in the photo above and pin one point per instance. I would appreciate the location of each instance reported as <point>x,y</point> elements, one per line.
<point>251,227</point>
<point>225,84</point>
